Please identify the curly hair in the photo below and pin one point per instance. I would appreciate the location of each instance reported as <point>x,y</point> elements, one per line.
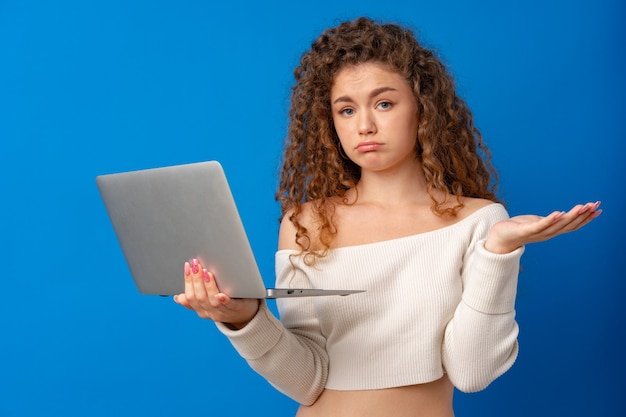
<point>453,155</point>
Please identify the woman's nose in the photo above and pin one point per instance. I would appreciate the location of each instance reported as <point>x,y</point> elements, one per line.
<point>367,125</point>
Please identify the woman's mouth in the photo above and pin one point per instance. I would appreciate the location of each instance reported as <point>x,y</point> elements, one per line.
<point>368,146</point>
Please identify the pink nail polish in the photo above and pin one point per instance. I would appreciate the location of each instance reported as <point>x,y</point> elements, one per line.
<point>194,266</point>
<point>205,275</point>
<point>187,269</point>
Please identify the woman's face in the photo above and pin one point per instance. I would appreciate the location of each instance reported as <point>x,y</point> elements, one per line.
<point>375,116</point>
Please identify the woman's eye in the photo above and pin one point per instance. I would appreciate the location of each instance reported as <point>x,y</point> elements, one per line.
<point>347,112</point>
<point>384,105</point>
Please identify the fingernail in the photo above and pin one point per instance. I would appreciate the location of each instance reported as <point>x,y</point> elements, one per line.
<point>187,269</point>
<point>583,209</point>
<point>194,266</point>
<point>205,275</point>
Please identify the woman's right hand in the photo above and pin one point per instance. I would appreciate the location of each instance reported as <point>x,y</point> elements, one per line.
<point>203,296</point>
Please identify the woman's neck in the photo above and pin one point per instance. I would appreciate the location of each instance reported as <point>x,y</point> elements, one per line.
<point>399,187</point>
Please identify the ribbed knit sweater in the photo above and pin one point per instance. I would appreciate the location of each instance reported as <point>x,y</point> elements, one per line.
<point>435,302</point>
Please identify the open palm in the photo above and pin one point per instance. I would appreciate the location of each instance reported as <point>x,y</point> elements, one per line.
<point>517,231</point>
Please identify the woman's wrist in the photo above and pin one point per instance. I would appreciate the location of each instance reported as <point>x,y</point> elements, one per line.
<point>236,326</point>
<point>495,246</point>
<point>241,324</point>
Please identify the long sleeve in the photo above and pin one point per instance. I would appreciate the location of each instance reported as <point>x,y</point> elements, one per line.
<point>434,302</point>
<point>290,353</point>
<point>480,342</point>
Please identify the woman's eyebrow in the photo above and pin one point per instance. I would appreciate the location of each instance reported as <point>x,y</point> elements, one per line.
<point>374,93</point>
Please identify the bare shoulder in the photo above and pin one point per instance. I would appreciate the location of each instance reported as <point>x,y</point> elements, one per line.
<point>472,205</point>
<point>287,233</point>
<point>288,230</point>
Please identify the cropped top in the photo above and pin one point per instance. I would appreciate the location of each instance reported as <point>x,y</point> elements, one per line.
<point>435,302</point>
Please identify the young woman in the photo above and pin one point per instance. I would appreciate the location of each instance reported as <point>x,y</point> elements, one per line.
<point>386,186</point>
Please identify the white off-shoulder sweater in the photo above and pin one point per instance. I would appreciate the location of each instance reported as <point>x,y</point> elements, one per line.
<point>435,302</point>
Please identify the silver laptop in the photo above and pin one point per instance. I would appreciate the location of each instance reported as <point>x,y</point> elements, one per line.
<point>163,217</point>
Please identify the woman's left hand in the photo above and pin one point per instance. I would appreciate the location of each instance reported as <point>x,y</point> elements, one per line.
<point>508,235</point>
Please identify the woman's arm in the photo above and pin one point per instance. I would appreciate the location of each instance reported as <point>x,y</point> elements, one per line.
<point>290,353</point>
<point>480,341</point>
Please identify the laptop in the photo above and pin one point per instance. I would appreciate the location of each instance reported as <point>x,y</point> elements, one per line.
<point>163,217</point>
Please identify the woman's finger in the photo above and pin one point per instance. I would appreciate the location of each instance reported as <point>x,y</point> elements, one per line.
<point>211,288</point>
<point>195,292</point>
<point>182,300</point>
<point>577,217</point>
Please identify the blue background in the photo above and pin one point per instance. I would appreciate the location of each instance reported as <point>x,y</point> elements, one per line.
<point>88,88</point>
